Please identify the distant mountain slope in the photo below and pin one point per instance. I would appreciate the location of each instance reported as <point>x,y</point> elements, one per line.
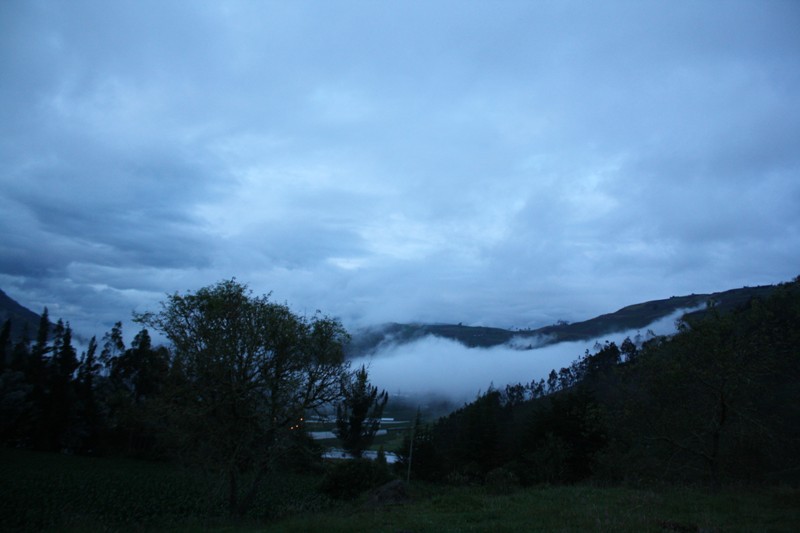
<point>21,317</point>
<point>637,316</point>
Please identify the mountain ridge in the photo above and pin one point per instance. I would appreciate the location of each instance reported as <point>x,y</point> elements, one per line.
<point>367,341</point>
<point>23,320</point>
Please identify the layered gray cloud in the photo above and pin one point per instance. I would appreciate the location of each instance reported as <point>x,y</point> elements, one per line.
<point>490,163</point>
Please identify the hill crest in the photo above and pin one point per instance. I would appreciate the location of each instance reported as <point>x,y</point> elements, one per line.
<point>369,340</point>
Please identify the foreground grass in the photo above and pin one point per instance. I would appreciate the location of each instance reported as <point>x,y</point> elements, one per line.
<point>54,492</point>
<point>565,509</point>
<point>63,493</point>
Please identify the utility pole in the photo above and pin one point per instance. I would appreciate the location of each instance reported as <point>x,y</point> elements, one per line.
<point>410,452</point>
<point>417,422</point>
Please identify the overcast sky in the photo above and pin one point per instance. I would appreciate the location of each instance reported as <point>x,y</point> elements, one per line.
<point>495,163</point>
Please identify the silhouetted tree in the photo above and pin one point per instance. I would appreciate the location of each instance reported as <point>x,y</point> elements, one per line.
<point>552,382</point>
<point>113,346</point>
<point>14,389</point>
<point>249,371</point>
<point>90,414</point>
<point>358,415</point>
<point>35,368</point>
<point>515,394</point>
<point>628,350</point>
<point>40,348</point>
<point>137,376</point>
<point>60,415</point>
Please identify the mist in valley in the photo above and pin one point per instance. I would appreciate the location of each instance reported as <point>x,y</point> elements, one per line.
<point>442,367</point>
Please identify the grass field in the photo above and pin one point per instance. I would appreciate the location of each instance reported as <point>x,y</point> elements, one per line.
<point>65,493</point>
<point>566,509</point>
<point>44,491</point>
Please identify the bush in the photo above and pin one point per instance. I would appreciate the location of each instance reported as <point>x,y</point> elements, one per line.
<point>348,479</point>
<point>501,481</point>
<point>469,474</point>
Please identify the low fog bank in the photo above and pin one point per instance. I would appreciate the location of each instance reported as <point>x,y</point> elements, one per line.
<point>434,365</point>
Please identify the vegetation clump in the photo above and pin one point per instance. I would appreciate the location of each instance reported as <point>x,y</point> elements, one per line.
<point>347,479</point>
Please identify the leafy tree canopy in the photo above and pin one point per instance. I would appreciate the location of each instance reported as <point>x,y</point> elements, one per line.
<point>249,371</point>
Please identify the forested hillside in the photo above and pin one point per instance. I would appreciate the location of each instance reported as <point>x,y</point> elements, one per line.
<point>716,403</point>
<point>21,320</point>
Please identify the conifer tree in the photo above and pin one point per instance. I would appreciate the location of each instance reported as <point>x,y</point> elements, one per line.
<point>59,408</point>
<point>88,408</point>
<point>137,375</point>
<point>358,416</point>
<point>34,366</point>
<point>113,346</point>
<point>65,358</point>
<point>40,348</point>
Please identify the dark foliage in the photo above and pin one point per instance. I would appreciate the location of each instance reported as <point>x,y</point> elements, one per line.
<point>358,415</point>
<point>715,403</point>
<point>418,457</point>
<point>347,479</point>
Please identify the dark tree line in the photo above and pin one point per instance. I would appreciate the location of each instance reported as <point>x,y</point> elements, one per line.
<point>53,400</point>
<point>229,395</point>
<point>718,402</point>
